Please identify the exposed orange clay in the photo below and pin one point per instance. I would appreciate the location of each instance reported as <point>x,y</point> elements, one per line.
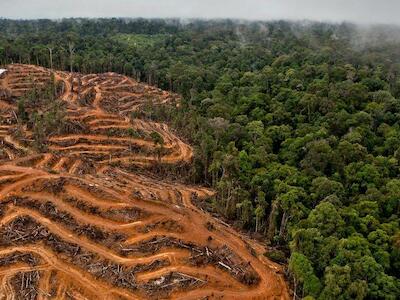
<point>101,225</point>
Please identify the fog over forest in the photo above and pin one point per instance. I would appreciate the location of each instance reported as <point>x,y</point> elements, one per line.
<point>359,11</point>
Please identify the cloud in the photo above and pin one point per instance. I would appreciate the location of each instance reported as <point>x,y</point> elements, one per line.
<point>360,11</point>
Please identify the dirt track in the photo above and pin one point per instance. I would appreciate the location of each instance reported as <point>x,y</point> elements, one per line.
<point>77,224</point>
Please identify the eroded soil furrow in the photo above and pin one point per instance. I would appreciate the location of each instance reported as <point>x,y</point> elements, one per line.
<point>93,216</point>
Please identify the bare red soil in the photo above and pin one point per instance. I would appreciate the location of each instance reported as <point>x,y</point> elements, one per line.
<point>78,223</point>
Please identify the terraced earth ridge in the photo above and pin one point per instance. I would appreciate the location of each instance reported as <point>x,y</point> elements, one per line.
<point>82,221</point>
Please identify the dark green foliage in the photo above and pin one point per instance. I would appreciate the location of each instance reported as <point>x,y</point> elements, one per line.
<point>157,138</point>
<point>42,113</point>
<point>296,126</point>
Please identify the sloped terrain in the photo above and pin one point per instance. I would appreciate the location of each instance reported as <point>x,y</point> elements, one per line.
<point>80,221</point>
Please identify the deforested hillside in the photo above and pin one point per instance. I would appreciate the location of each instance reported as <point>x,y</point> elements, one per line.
<point>83,217</point>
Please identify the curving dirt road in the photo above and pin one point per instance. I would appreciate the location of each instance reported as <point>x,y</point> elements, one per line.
<point>82,221</point>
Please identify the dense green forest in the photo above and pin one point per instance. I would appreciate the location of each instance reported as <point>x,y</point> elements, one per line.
<point>296,125</point>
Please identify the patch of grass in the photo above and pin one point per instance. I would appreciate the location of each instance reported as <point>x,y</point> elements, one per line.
<point>277,256</point>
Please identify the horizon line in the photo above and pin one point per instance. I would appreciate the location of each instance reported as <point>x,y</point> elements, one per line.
<point>247,20</point>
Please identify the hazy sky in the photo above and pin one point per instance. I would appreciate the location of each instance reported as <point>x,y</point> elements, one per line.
<point>362,11</point>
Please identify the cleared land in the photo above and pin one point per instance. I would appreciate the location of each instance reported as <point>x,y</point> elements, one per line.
<point>81,221</point>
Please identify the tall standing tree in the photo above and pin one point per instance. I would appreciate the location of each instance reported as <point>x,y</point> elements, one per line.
<point>51,48</point>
